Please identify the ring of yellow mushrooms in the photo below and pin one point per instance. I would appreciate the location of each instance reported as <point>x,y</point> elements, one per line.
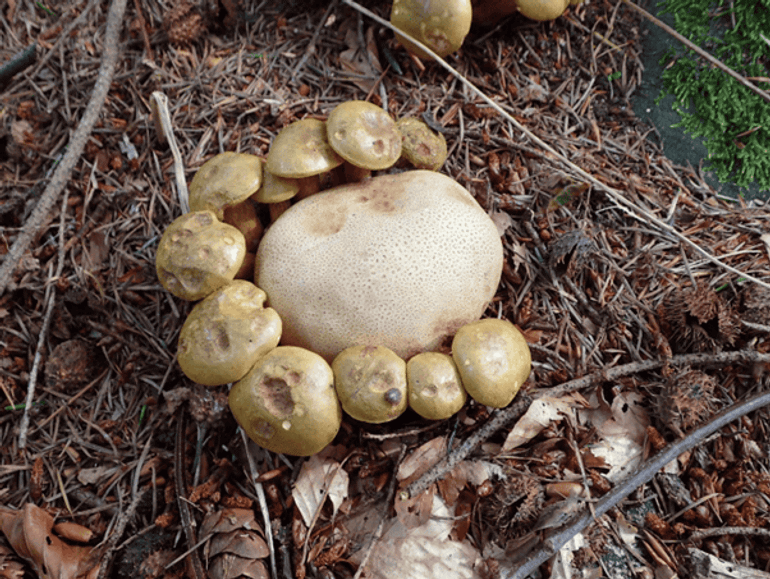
<point>289,398</point>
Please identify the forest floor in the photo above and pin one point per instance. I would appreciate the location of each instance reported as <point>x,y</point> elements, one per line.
<point>637,335</point>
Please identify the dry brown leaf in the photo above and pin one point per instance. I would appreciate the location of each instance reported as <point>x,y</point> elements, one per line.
<point>621,428</point>
<point>30,533</point>
<point>420,461</point>
<point>10,566</point>
<point>318,474</point>
<point>363,62</point>
<point>540,415</point>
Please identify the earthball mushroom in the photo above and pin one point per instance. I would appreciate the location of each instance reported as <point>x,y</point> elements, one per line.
<point>364,135</point>
<point>198,254</point>
<point>493,359</point>
<point>400,261</point>
<point>226,333</point>
<point>225,179</point>
<point>286,403</point>
<point>422,147</point>
<point>542,9</point>
<point>441,25</point>
<point>301,150</point>
<point>434,386</point>
<point>371,383</point>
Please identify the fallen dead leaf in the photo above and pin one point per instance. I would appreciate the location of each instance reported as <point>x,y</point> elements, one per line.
<point>30,533</point>
<point>621,428</point>
<point>541,413</point>
<point>421,552</point>
<point>319,473</point>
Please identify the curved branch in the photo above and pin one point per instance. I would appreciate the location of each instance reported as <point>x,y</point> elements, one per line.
<point>75,148</point>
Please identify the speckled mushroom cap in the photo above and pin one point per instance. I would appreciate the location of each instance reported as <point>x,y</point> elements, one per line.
<point>226,333</point>
<point>441,26</point>
<point>286,403</point>
<point>399,260</point>
<point>225,179</point>
<point>198,254</point>
<point>493,359</point>
<point>371,383</point>
<point>301,149</point>
<point>364,134</point>
<point>434,386</point>
<point>422,147</point>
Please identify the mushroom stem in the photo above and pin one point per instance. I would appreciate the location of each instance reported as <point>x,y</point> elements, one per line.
<point>354,174</point>
<point>308,186</point>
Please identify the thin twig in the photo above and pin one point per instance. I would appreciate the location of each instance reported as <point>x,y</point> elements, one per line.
<point>75,148</point>
<point>32,382</point>
<point>165,130</point>
<point>642,475</point>
<point>614,193</point>
<point>700,52</point>
<point>519,407</point>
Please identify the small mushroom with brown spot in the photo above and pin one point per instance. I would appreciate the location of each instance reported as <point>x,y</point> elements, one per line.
<point>198,254</point>
<point>421,146</point>
<point>226,333</point>
<point>365,136</point>
<point>441,26</point>
<point>370,383</point>
<point>286,403</point>
<point>493,359</point>
<point>302,151</point>
<point>224,180</point>
<point>435,388</point>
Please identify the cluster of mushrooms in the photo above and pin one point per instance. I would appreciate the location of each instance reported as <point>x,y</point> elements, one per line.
<point>359,283</point>
<point>443,25</point>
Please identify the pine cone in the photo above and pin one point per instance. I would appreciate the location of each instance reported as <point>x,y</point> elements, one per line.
<point>236,545</point>
<point>686,399</point>
<point>698,320</point>
<point>184,24</point>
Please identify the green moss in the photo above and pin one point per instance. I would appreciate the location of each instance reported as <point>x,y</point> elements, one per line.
<point>734,121</point>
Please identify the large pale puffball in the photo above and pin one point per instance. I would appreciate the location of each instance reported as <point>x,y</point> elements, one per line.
<point>400,261</point>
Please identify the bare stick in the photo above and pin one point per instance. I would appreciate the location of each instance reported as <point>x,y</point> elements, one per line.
<point>75,148</point>
<point>165,130</point>
<point>612,192</point>
<point>642,475</point>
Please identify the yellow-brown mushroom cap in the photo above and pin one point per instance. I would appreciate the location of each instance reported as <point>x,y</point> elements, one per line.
<point>225,179</point>
<point>302,149</point>
<point>542,9</point>
<point>286,403</point>
<point>275,189</point>
<point>435,388</point>
<point>371,383</point>
<point>198,254</point>
<point>440,25</point>
<point>225,334</point>
<point>422,147</point>
<point>364,135</point>
<point>493,359</point>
